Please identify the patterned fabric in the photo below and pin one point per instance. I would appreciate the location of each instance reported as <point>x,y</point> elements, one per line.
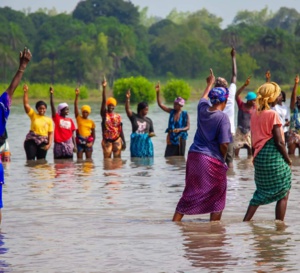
<point>181,123</point>
<point>112,126</point>
<point>218,94</point>
<point>36,138</point>
<point>63,149</point>
<point>295,119</point>
<point>272,175</point>
<point>205,185</point>
<point>241,139</point>
<point>110,147</point>
<point>141,145</point>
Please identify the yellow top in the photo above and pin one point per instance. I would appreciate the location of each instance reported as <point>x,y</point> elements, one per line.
<point>85,126</point>
<point>40,125</point>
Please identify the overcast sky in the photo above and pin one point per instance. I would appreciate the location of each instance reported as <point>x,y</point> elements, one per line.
<point>226,9</point>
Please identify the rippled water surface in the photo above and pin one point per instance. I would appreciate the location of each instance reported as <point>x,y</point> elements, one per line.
<point>114,215</point>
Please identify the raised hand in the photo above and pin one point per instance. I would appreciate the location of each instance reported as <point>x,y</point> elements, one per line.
<point>51,90</point>
<point>25,88</point>
<point>25,57</point>
<point>128,94</point>
<point>297,79</point>
<point>247,82</point>
<point>104,82</point>
<point>157,87</point>
<point>77,91</point>
<point>232,52</point>
<point>268,76</point>
<point>211,78</point>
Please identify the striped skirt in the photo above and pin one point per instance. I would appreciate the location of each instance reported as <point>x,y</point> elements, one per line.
<point>205,185</point>
<point>272,175</point>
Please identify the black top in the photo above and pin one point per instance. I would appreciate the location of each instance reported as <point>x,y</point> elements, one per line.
<point>140,124</point>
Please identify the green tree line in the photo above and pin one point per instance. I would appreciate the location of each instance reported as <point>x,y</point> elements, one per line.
<point>117,39</point>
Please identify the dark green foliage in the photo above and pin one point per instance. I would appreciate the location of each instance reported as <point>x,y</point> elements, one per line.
<point>141,89</point>
<point>89,10</point>
<point>111,38</point>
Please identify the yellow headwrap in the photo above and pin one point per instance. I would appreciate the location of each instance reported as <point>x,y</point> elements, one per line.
<point>267,93</point>
<point>86,108</point>
<point>112,101</point>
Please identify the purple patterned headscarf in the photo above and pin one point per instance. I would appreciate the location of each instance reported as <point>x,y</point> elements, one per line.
<point>180,101</point>
<point>218,95</point>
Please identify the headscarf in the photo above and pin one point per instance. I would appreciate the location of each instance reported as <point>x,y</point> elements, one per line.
<point>86,108</point>
<point>180,101</point>
<point>218,95</point>
<point>61,106</point>
<point>112,101</point>
<point>267,93</point>
<point>141,106</point>
<point>221,82</point>
<point>40,103</point>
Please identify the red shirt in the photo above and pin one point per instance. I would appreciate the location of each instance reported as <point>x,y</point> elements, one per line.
<point>64,128</point>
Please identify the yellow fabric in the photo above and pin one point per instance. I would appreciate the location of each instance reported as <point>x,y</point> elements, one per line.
<point>85,126</point>
<point>40,125</point>
<point>86,108</point>
<point>112,101</point>
<point>267,93</point>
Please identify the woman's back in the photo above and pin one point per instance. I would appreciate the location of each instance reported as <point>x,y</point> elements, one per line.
<point>213,128</point>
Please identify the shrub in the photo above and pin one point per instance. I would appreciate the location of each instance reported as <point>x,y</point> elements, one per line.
<point>176,88</point>
<point>141,89</point>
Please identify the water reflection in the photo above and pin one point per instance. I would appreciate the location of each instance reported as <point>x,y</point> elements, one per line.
<point>141,161</point>
<point>205,245</point>
<point>40,175</point>
<point>110,164</point>
<point>271,246</point>
<point>85,167</point>
<point>178,162</point>
<point>4,266</point>
<point>65,170</point>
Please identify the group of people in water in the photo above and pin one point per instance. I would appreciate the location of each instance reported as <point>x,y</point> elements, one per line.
<point>264,127</point>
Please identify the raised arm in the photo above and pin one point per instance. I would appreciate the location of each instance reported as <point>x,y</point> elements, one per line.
<point>53,111</point>
<point>76,102</point>
<point>25,99</point>
<point>234,68</point>
<point>25,57</point>
<point>162,106</point>
<point>209,83</point>
<point>238,93</point>
<point>268,76</point>
<point>294,93</point>
<point>103,104</point>
<point>127,104</point>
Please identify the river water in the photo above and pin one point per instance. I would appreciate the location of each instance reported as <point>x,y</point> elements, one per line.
<point>115,215</point>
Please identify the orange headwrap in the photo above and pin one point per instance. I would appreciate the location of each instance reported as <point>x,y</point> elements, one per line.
<point>86,108</point>
<point>112,101</point>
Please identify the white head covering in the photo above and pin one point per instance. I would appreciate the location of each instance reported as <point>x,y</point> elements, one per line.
<point>61,106</point>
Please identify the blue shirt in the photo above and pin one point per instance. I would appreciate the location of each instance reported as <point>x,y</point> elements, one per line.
<point>213,129</point>
<point>4,111</point>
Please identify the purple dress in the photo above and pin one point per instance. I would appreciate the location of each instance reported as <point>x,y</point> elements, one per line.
<point>205,181</point>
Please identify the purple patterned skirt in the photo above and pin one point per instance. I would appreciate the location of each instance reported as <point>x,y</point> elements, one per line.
<point>205,185</point>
